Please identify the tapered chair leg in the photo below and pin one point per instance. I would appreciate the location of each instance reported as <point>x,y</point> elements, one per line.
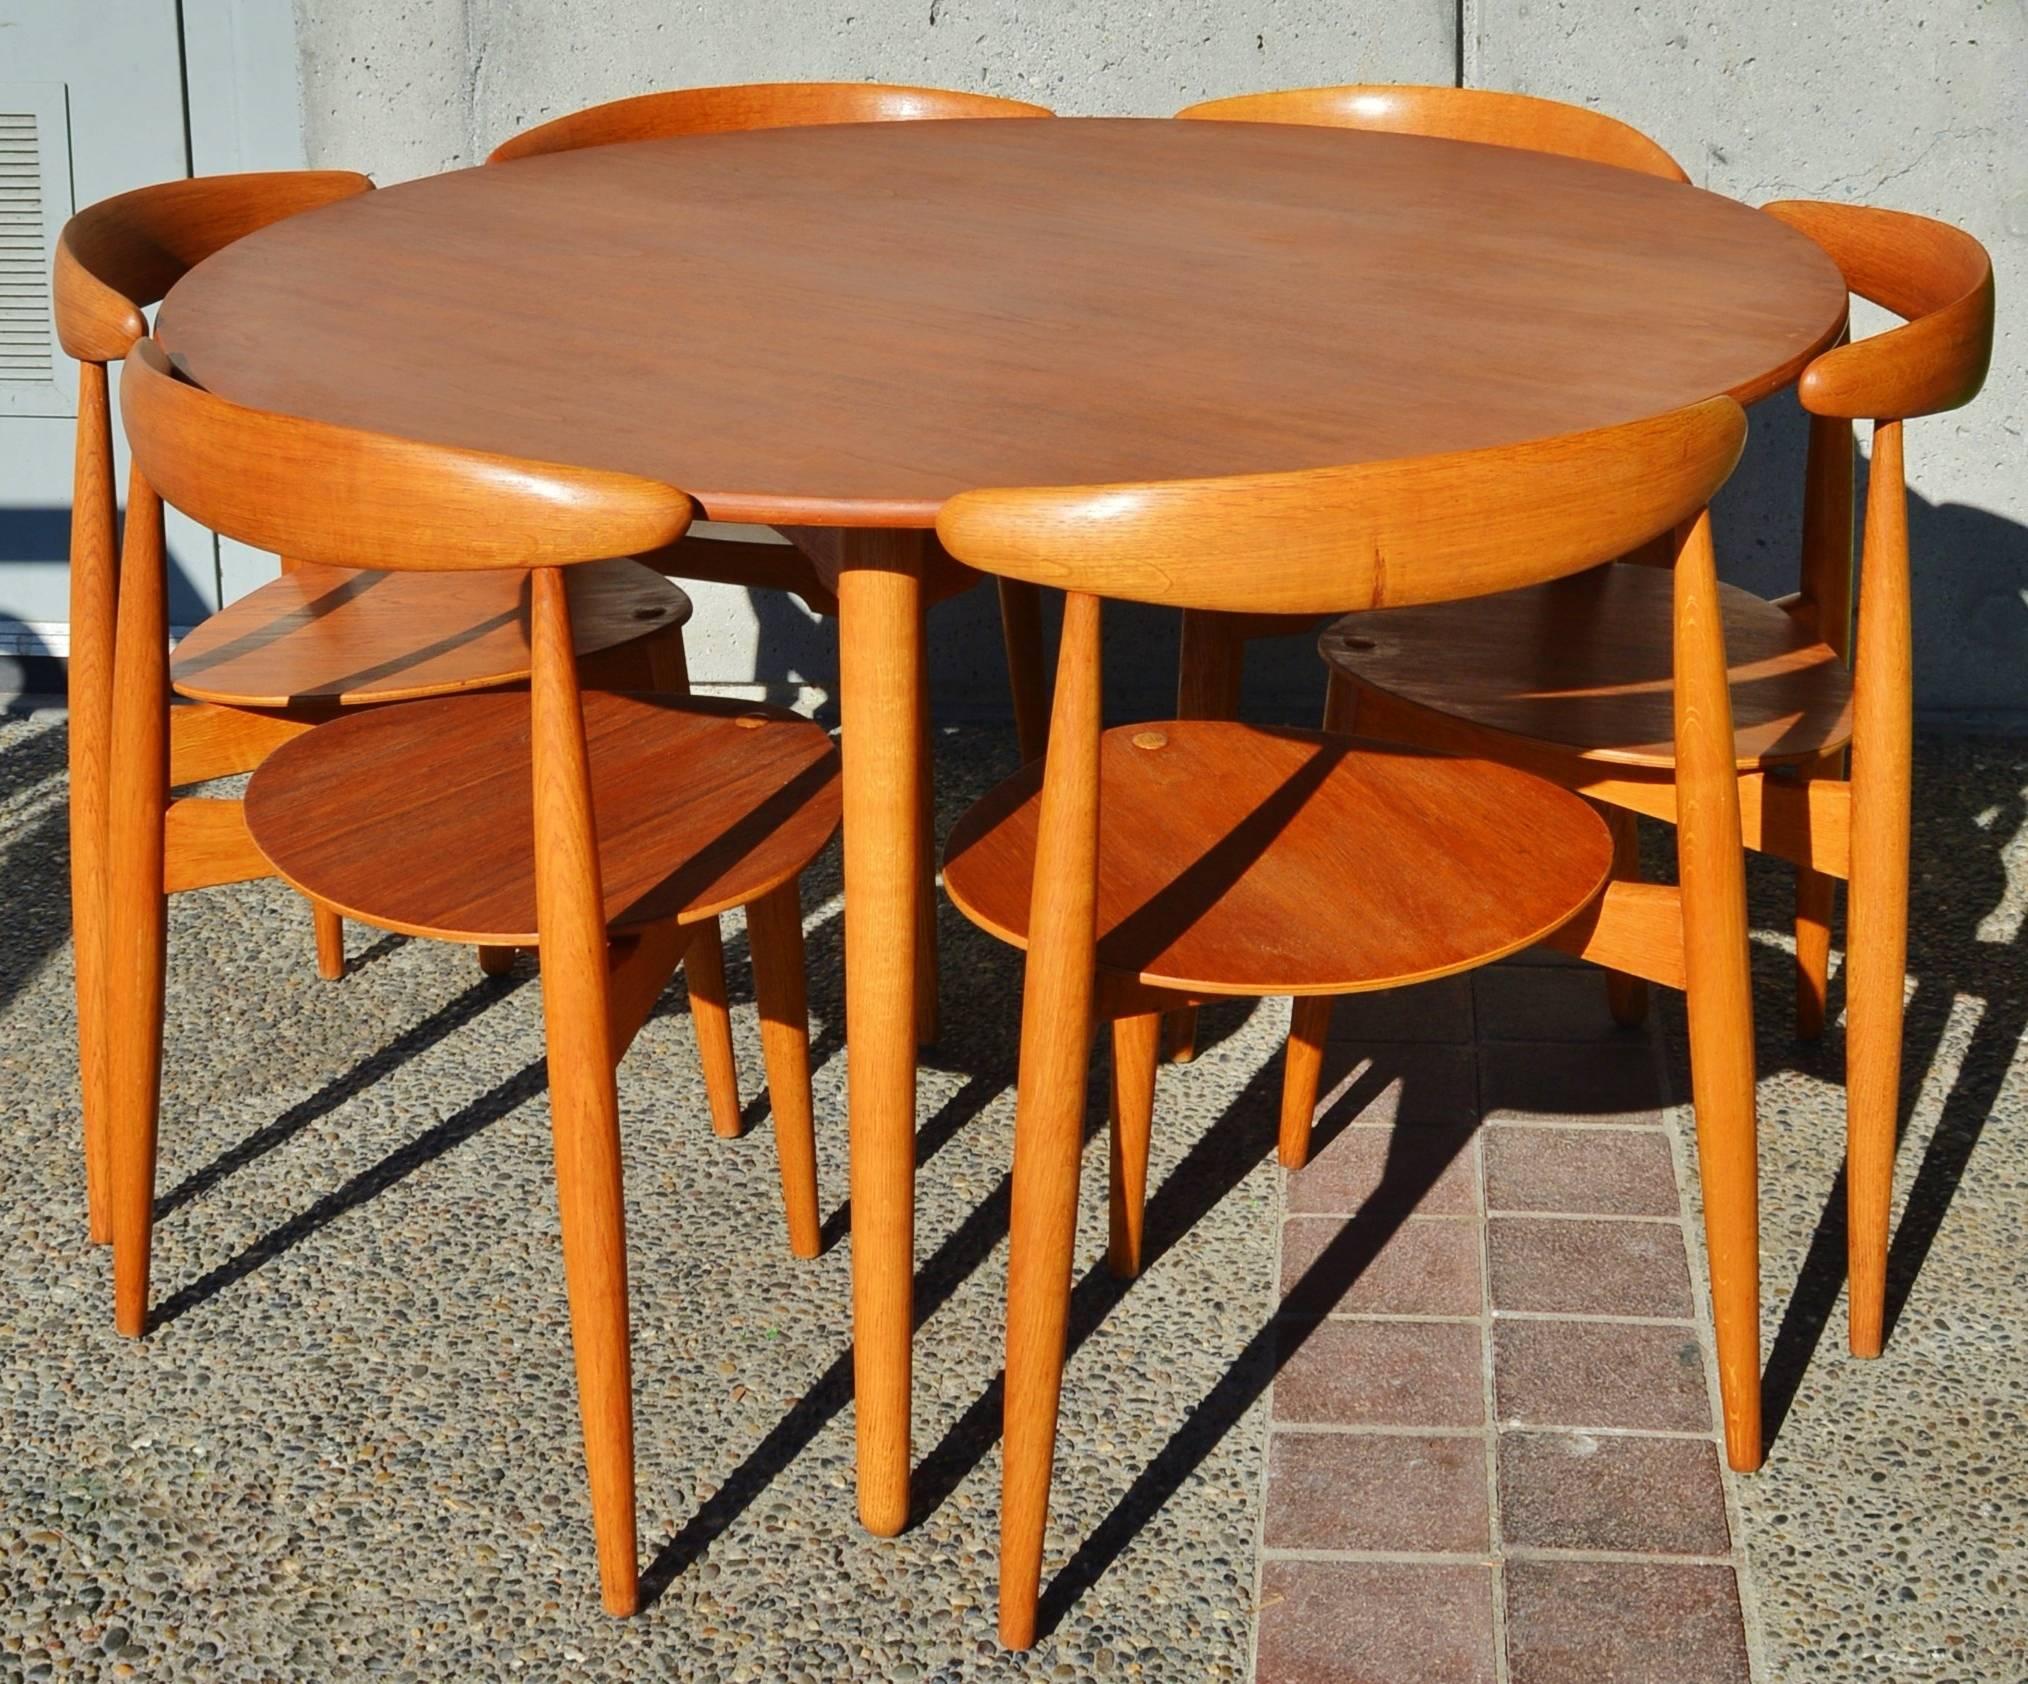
<point>496,961</point>
<point>1626,996</point>
<point>1302,1067</point>
<point>593,1219</point>
<point>774,933</point>
<point>137,927</point>
<point>93,575</point>
<point>1718,989</point>
<point>584,1105</point>
<point>330,942</point>
<point>1021,630</point>
<point>1816,896</point>
<point>1137,1049</point>
<point>1056,1018</point>
<point>1876,912</point>
<point>711,1019</point>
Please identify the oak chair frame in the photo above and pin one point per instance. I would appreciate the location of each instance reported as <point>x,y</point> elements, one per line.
<point>316,491</point>
<point>1381,534</point>
<point>1830,824</point>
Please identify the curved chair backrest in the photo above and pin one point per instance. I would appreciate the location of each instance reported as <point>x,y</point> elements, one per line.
<point>752,105</point>
<point>1936,277</point>
<point>122,254</point>
<point>1478,114</point>
<point>350,498</point>
<point>1381,534</point>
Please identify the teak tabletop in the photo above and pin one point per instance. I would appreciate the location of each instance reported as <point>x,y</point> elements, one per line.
<point>837,328</point>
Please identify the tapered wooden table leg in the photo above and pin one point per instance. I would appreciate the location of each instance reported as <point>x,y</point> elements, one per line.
<point>880,682</point>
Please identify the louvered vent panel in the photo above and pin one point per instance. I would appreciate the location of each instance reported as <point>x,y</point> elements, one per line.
<point>26,352</point>
<point>35,195</point>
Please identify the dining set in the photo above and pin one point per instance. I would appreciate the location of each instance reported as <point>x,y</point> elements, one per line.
<point>1445,379</point>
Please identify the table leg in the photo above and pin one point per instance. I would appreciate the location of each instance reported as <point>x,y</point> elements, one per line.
<point>880,669</point>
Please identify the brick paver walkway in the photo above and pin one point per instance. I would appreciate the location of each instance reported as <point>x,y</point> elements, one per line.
<point>1493,1454</point>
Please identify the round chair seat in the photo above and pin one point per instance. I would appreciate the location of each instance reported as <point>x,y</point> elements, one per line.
<point>343,635</point>
<point>1587,663</point>
<point>420,818</point>
<point>1237,859</point>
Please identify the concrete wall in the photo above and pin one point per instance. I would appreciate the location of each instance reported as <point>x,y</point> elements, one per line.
<point>1924,108</point>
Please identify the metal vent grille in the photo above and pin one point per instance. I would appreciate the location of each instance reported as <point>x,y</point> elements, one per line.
<point>25,349</point>
<point>34,204</point>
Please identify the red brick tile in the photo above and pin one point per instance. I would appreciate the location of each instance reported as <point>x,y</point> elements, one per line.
<point>1604,1172</point>
<point>1598,1374</point>
<point>1423,1267</point>
<point>1431,1171</point>
<point>1370,1622</point>
<point>1380,1373</point>
<point>1576,1266</point>
<point>1648,1496</point>
<point>1544,1003</point>
<point>1377,1491</point>
<point>1617,1622</point>
<point>1616,1081</point>
<point>1423,1012</point>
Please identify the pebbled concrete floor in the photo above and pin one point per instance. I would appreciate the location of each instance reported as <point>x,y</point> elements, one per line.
<point>349,1448</point>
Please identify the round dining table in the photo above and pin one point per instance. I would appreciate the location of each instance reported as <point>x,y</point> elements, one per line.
<point>831,330</point>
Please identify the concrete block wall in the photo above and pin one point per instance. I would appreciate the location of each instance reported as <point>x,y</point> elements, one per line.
<point>1922,108</point>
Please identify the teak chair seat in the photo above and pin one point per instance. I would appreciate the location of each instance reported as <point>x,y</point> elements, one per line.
<point>329,637</point>
<point>1164,863</point>
<point>1221,841</point>
<point>606,831</point>
<point>1212,656</point>
<point>1472,676</point>
<point>269,665</point>
<point>1583,664</point>
<point>703,805</point>
<point>805,567</point>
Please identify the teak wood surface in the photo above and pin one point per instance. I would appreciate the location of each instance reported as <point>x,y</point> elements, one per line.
<point>761,319</point>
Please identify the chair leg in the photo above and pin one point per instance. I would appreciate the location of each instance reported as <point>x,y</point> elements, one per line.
<point>1021,629</point>
<point>1056,1018</point>
<point>1816,900</point>
<point>496,961</point>
<point>1718,988</point>
<point>1816,896</point>
<point>1626,996</point>
<point>137,908</point>
<point>1137,1049</point>
<point>330,942</point>
<point>1876,898</point>
<point>1209,667</point>
<point>584,1103</point>
<point>1303,1064</point>
<point>94,550</point>
<point>774,933</point>
<point>584,1107</point>
<point>711,1019</point>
